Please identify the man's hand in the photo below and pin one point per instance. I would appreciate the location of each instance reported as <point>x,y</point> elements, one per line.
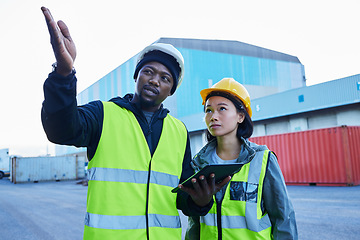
<point>62,43</point>
<point>204,189</point>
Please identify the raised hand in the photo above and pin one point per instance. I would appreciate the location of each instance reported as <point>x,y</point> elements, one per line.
<point>62,43</point>
<point>204,189</point>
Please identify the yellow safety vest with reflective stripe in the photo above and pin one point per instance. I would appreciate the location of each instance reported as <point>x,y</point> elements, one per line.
<point>129,192</point>
<point>241,216</point>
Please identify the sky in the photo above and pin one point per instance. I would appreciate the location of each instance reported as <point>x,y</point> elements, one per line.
<point>323,34</point>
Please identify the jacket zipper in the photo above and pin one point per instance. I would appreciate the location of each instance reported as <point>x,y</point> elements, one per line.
<point>147,203</point>
<point>218,216</point>
<point>148,135</point>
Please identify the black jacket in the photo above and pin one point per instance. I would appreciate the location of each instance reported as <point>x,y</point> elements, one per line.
<point>68,124</point>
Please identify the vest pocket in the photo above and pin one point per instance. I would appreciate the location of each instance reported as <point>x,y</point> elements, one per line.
<point>243,191</point>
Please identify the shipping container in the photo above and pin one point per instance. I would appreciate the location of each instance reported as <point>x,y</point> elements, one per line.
<point>328,156</point>
<point>4,163</point>
<point>35,169</point>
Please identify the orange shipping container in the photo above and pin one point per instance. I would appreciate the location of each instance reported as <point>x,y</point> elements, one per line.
<point>329,156</point>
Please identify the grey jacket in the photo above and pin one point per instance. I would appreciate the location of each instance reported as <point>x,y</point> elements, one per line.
<point>275,199</point>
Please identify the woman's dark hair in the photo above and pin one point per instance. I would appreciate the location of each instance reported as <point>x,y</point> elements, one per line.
<point>246,128</point>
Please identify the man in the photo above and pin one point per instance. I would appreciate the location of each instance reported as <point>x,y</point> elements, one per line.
<point>137,151</point>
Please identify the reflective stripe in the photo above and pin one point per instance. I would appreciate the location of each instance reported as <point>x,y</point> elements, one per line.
<point>164,179</point>
<point>240,222</point>
<point>117,175</point>
<point>209,219</point>
<point>255,171</point>
<point>131,222</point>
<point>133,176</point>
<point>157,220</point>
<point>226,221</point>
<point>264,223</point>
<point>236,222</point>
<point>115,222</point>
<point>251,212</point>
<point>233,222</point>
<point>253,223</point>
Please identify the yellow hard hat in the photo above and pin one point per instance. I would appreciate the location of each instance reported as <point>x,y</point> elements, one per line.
<point>231,86</point>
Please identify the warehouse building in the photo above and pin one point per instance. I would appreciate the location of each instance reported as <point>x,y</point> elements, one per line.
<point>281,101</point>
<point>262,71</point>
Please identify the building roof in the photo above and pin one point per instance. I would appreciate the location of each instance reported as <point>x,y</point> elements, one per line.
<point>230,47</point>
<point>329,94</point>
<point>340,92</point>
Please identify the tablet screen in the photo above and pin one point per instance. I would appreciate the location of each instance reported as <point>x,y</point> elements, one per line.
<point>221,171</point>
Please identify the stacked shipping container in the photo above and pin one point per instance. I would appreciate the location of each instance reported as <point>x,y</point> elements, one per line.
<point>329,156</point>
<point>35,169</point>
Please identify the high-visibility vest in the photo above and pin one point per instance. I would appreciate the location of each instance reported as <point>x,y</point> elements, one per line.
<point>129,192</point>
<point>239,215</point>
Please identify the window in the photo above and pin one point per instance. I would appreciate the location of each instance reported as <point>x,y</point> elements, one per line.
<point>301,98</point>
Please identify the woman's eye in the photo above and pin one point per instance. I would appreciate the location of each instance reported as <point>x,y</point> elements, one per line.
<point>222,108</point>
<point>207,110</point>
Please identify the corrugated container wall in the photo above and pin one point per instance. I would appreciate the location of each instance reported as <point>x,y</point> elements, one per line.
<point>34,169</point>
<point>329,156</point>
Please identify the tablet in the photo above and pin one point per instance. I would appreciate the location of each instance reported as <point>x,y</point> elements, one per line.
<point>221,171</point>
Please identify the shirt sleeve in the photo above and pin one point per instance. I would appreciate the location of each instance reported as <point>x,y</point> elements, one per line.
<point>63,121</point>
<point>277,202</point>
<point>184,201</point>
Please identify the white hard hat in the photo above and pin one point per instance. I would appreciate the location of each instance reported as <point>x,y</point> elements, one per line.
<point>165,48</point>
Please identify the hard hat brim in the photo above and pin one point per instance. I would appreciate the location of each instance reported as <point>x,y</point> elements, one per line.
<point>205,92</point>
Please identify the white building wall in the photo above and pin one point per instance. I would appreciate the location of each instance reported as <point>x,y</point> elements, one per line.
<point>298,124</point>
<point>348,117</point>
<point>259,130</point>
<point>197,141</point>
<point>278,127</point>
<point>325,120</point>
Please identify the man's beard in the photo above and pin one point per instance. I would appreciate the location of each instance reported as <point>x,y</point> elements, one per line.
<point>146,104</point>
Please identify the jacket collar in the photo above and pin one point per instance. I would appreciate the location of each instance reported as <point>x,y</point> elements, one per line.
<point>125,102</point>
<point>248,150</point>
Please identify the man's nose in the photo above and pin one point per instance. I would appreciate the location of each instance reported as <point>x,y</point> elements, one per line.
<point>155,80</point>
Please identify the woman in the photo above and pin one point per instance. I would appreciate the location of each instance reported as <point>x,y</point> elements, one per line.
<point>255,203</point>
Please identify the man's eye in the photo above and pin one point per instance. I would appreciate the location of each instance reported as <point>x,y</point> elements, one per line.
<point>147,71</point>
<point>166,79</point>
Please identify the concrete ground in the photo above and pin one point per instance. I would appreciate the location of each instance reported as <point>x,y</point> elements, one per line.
<point>55,210</point>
